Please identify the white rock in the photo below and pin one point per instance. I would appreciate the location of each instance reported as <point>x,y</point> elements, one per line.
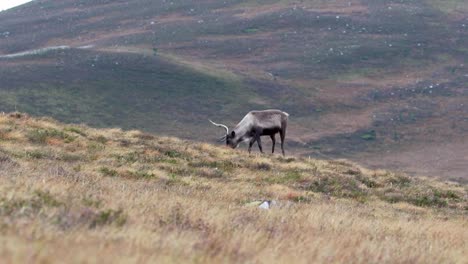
<point>265,205</point>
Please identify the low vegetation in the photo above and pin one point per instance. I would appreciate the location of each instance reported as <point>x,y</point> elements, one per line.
<point>357,76</point>
<point>119,196</point>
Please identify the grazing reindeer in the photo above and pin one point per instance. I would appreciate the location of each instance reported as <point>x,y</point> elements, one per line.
<point>254,125</point>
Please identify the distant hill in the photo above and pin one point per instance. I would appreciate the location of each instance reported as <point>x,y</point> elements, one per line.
<point>383,83</point>
<point>107,195</point>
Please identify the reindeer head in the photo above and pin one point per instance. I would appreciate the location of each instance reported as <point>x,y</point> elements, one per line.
<point>230,138</point>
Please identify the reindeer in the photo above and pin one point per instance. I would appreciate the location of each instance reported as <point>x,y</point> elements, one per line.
<point>254,125</point>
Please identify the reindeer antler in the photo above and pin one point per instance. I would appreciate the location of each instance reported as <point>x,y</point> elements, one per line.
<point>223,126</point>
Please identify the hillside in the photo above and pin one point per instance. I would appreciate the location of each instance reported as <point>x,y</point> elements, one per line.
<point>383,83</point>
<point>83,194</point>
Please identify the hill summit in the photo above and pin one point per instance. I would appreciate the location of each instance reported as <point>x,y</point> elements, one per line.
<point>119,196</point>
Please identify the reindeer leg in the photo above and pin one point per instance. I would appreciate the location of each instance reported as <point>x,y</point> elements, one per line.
<point>273,139</point>
<point>282,135</point>
<point>252,141</point>
<point>259,144</point>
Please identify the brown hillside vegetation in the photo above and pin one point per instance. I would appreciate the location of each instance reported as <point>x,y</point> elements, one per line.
<point>381,83</point>
<point>106,195</point>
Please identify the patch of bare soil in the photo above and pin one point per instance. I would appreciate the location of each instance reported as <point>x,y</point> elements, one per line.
<point>26,62</point>
<point>340,7</point>
<point>251,12</point>
<point>258,35</point>
<point>96,36</point>
<point>173,18</point>
<point>332,7</point>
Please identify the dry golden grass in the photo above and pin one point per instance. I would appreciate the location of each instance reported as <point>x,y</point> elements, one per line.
<point>70,192</point>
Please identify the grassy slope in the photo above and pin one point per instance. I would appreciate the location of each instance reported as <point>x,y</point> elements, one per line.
<point>119,196</point>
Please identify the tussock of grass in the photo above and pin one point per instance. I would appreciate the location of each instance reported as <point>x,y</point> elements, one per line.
<point>42,135</point>
<point>75,130</point>
<point>108,172</point>
<point>166,199</point>
<point>39,200</point>
<point>108,217</point>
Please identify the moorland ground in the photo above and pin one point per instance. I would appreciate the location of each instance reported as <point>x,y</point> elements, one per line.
<point>75,193</point>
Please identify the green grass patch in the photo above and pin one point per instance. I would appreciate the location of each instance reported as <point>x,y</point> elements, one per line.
<point>70,157</point>
<point>109,217</point>
<point>40,199</point>
<point>91,202</point>
<point>288,177</point>
<point>367,181</point>
<point>251,30</point>
<point>428,200</point>
<point>101,139</point>
<point>75,130</point>
<point>36,154</point>
<point>424,197</point>
<point>108,172</point>
<point>211,173</point>
<point>141,174</point>
<point>299,199</point>
<point>46,198</point>
<point>127,174</point>
<point>286,160</point>
<point>369,136</point>
<point>399,180</point>
<point>40,135</point>
<point>128,158</point>
<point>173,154</point>
<point>262,166</point>
<point>94,147</point>
<point>225,165</point>
<point>339,186</point>
<point>174,180</point>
